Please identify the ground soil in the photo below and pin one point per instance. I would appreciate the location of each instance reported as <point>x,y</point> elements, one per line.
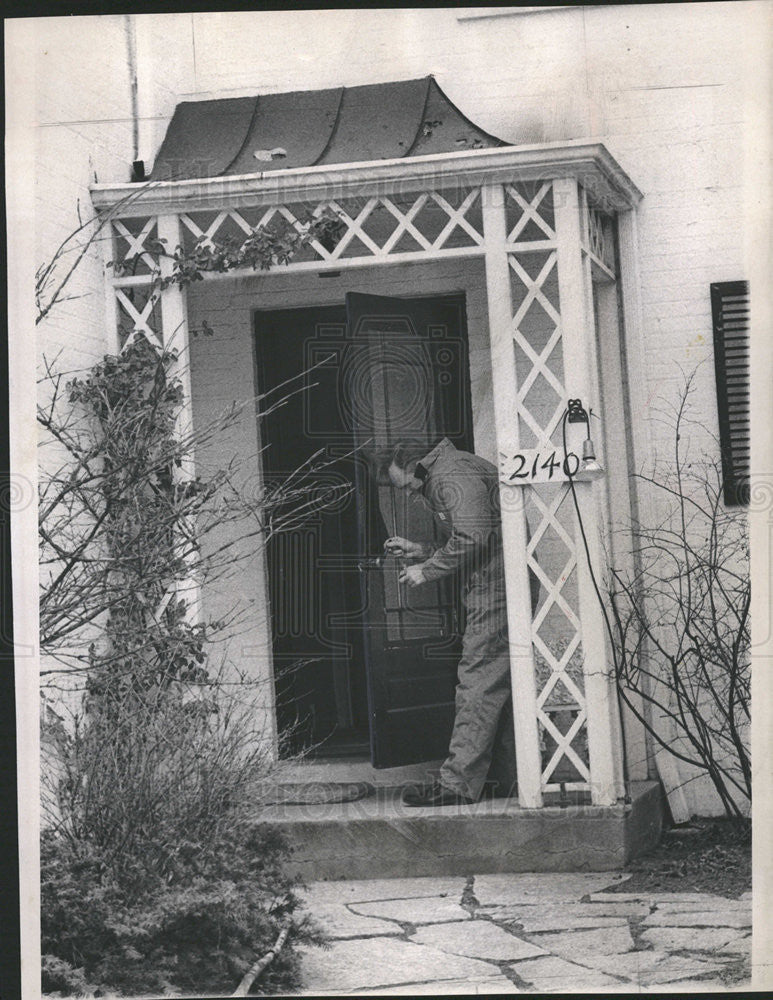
<point>705,855</point>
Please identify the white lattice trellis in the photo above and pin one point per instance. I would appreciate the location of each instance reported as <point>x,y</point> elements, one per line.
<point>374,229</point>
<point>533,223</point>
<point>559,664</point>
<point>140,318</point>
<point>539,359</point>
<point>542,365</point>
<point>598,238</point>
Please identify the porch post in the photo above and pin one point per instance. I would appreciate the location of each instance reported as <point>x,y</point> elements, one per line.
<point>174,336</point>
<point>600,694</point>
<point>111,302</point>
<point>504,386</point>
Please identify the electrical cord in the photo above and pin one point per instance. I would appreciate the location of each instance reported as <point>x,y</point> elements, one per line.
<point>570,475</point>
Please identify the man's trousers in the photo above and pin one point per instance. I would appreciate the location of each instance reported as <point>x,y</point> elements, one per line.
<point>483,726</point>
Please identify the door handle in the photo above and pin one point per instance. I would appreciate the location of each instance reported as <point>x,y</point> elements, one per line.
<point>372,562</point>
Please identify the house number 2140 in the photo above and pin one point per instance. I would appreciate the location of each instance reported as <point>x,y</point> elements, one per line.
<point>535,466</point>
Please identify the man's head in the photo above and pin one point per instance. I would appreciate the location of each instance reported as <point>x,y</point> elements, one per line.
<point>402,467</point>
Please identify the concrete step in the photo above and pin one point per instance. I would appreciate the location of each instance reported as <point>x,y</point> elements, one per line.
<point>379,837</point>
<point>347,770</point>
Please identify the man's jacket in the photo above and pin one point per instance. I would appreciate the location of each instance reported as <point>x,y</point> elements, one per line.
<point>462,491</point>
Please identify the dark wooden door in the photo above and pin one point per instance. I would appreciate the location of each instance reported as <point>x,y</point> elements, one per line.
<point>405,375</point>
<point>313,561</point>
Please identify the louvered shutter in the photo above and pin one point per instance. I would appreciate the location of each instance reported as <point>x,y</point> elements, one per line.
<point>730,310</point>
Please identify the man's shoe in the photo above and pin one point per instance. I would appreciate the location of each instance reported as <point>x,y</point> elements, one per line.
<point>434,794</point>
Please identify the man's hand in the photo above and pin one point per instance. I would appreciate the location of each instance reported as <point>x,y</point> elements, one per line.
<point>397,546</point>
<point>412,576</point>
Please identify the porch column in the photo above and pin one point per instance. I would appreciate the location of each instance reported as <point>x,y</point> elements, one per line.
<point>504,385</point>
<point>175,336</point>
<point>579,356</point>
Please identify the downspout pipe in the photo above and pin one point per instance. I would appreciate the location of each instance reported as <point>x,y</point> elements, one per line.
<point>138,167</point>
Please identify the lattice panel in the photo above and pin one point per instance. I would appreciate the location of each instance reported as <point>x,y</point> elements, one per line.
<point>131,241</point>
<point>529,213</point>
<point>138,310</point>
<point>371,227</point>
<point>598,235</point>
<point>557,639</point>
<point>556,632</point>
<point>536,330</point>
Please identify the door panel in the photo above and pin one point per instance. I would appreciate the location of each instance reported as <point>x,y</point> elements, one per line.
<point>405,374</point>
<point>314,586</point>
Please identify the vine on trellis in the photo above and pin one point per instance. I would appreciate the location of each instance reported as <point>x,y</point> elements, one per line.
<point>262,248</point>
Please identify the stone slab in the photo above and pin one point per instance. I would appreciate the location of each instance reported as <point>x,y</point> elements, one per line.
<point>478,939</point>
<point>567,922</point>
<point>551,917</point>
<point>612,909</point>
<point>383,962</point>
<point>363,890</point>
<point>689,938</point>
<point>698,918</point>
<point>542,887</point>
<point>677,967</point>
<point>576,945</point>
<point>486,987</point>
<point>691,986</point>
<point>630,964</point>
<point>707,903</point>
<point>635,909</point>
<point>339,922</point>
<point>419,910</point>
<point>555,975</point>
<point>696,898</point>
<point>647,968</point>
<point>741,945</point>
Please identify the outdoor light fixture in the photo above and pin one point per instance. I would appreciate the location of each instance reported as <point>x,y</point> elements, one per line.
<point>590,468</point>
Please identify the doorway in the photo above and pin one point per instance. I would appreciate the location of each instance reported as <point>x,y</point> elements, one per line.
<point>357,671</point>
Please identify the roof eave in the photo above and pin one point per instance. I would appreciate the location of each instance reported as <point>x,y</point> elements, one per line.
<point>589,162</point>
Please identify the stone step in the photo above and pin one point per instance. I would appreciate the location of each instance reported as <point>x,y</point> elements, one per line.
<point>379,837</point>
<point>346,770</point>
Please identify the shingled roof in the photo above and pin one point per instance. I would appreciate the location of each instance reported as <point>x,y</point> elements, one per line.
<point>247,135</point>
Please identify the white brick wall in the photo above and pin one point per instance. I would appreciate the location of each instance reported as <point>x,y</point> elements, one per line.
<point>83,131</point>
<point>78,118</point>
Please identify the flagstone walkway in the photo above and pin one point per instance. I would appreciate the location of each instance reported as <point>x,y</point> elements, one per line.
<point>525,933</point>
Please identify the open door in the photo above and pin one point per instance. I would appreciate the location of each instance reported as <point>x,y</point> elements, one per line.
<point>405,376</point>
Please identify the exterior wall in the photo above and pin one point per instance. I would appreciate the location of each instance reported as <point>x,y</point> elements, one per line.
<point>77,119</point>
<point>83,130</point>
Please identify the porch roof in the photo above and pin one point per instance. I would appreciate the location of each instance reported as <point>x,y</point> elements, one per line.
<point>383,121</point>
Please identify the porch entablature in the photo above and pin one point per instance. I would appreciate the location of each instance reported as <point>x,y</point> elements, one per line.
<point>590,163</point>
